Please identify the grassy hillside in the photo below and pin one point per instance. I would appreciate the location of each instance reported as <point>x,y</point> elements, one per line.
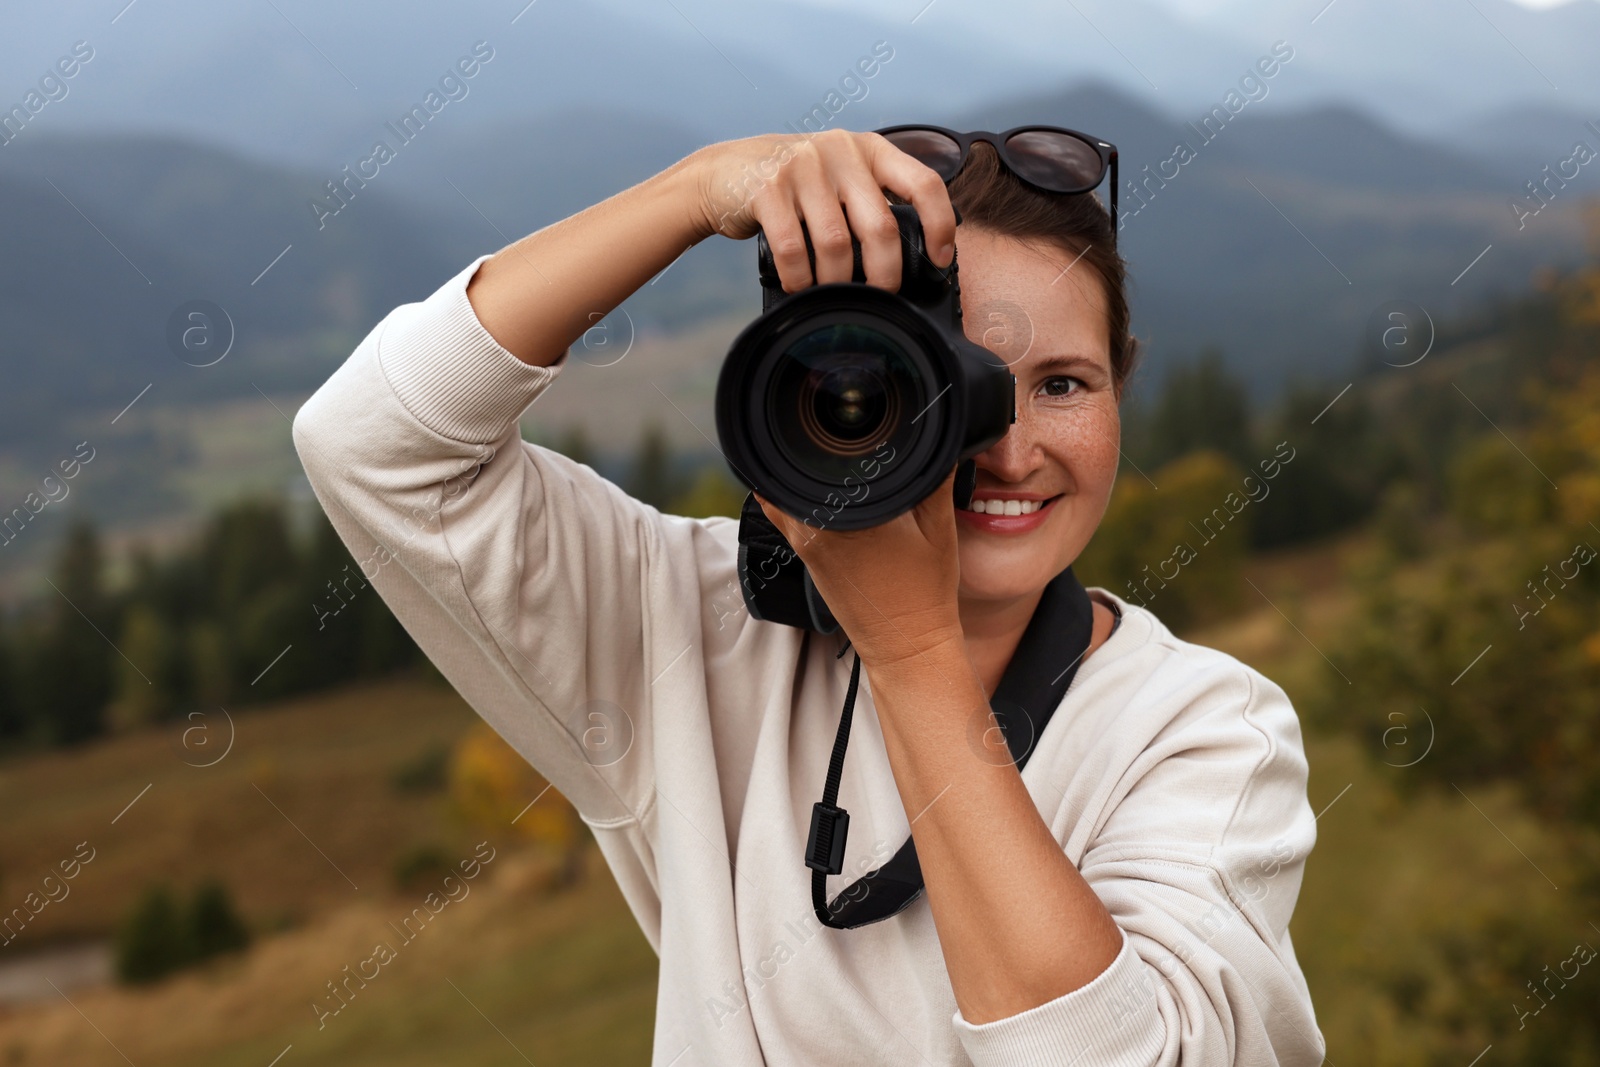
<point>325,762</point>
<point>510,971</point>
<point>302,820</point>
<point>518,969</point>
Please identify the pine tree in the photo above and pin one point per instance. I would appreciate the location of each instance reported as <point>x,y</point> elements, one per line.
<point>1202,406</point>
<point>214,927</point>
<point>574,444</point>
<point>74,677</point>
<point>152,942</point>
<point>652,478</point>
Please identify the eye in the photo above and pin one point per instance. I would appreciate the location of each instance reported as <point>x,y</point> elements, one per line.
<point>1061,385</point>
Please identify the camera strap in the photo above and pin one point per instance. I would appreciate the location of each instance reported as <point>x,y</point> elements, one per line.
<point>1032,687</point>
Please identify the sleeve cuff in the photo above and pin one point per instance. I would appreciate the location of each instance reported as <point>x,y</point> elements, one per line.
<point>1115,1016</point>
<point>450,373</point>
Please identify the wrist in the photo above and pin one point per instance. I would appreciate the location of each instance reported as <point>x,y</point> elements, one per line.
<point>927,655</point>
<point>685,182</point>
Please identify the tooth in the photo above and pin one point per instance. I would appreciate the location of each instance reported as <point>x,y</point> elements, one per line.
<point>1029,507</point>
<point>1013,507</point>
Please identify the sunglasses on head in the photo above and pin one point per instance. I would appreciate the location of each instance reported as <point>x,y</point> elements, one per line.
<point>1052,158</point>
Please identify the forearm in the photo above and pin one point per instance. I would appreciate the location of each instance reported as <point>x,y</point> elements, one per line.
<point>538,295</point>
<point>1017,923</point>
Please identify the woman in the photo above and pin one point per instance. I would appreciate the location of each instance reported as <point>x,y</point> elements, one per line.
<point>1123,900</point>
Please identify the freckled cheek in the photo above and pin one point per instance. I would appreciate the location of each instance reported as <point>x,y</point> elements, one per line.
<point>1086,444</point>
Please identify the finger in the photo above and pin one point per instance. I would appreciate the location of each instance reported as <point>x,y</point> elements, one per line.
<point>776,215</point>
<point>940,503</point>
<point>946,491</point>
<point>775,515</point>
<point>916,181</point>
<point>874,226</point>
<point>796,533</point>
<point>830,234</point>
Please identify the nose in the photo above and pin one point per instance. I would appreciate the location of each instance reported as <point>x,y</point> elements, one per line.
<point>1016,455</point>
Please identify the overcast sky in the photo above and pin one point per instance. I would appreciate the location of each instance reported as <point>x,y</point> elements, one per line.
<point>1205,7</point>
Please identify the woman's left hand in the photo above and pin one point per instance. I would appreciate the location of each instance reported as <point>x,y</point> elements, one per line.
<point>892,586</point>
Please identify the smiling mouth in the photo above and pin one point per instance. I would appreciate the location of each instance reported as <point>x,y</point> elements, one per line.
<point>1010,507</point>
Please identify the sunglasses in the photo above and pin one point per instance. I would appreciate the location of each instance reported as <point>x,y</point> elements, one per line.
<point>1052,158</point>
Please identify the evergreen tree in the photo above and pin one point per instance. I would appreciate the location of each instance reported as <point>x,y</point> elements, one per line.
<point>246,548</point>
<point>207,667</point>
<point>152,942</point>
<point>652,478</point>
<point>1202,406</point>
<point>214,927</point>
<point>144,694</point>
<point>574,444</point>
<point>73,674</point>
<point>1336,476</point>
<point>13,720</point>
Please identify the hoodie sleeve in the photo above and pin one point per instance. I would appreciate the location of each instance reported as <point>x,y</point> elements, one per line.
<point>1200,864</point>
<point>540,590</point>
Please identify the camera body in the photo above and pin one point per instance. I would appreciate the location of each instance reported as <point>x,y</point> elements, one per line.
<point>846,405</point>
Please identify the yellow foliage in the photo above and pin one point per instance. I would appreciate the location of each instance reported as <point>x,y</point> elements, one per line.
<point>1177,548</point>
<point>1591,648</point>
<point>492,786</point>
<point>1567,443</point>
<point>1493,490</point>
<point>713,493</point>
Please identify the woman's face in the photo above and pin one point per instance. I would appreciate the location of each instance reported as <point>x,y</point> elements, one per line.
<point>1020,300</point>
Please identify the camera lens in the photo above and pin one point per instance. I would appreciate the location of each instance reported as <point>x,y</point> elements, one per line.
<point>845,404</point>
<point>838,392</point>
<point>844,409</point>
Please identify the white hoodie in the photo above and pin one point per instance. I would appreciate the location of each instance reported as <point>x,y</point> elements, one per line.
<point>608,643</point>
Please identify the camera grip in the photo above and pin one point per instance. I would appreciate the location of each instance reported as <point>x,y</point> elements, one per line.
<point>772,578</point>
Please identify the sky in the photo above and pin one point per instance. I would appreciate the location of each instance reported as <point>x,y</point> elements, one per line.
<point>1201,8</point>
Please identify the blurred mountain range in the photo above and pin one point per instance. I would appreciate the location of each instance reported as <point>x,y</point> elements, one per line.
<point>302,81</point>
<point>184,160</point>
<point>1274,241</point>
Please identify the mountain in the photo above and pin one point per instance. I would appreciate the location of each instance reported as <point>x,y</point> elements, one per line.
<point>1279,239</point>
<point>1274,240</point>
<point>1288,229</point>
<point>307,83</point>
<point>1426,64</point>
<point>304,84</point>
<point>109,236</point>
<point>1517,141</point>
<point>1421,65</point>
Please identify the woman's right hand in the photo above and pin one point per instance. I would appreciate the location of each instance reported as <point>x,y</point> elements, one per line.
<point>833,181</point>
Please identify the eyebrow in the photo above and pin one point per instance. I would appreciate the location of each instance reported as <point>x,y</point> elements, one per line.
<point>1066,362</point>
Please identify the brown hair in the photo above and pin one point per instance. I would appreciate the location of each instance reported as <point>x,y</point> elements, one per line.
<point>989,197</point>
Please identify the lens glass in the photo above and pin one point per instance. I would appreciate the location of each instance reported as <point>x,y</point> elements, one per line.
<point>1056,161</point>
<point>838,393</point>
<point>931,147</point>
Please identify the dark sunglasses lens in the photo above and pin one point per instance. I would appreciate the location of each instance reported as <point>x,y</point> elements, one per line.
<point>931,147</point>
<point>1056,161</point>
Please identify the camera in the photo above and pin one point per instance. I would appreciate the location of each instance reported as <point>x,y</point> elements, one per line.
<point>846,405</point>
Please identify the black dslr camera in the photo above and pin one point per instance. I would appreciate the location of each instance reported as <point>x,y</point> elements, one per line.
<point>846,405</point>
